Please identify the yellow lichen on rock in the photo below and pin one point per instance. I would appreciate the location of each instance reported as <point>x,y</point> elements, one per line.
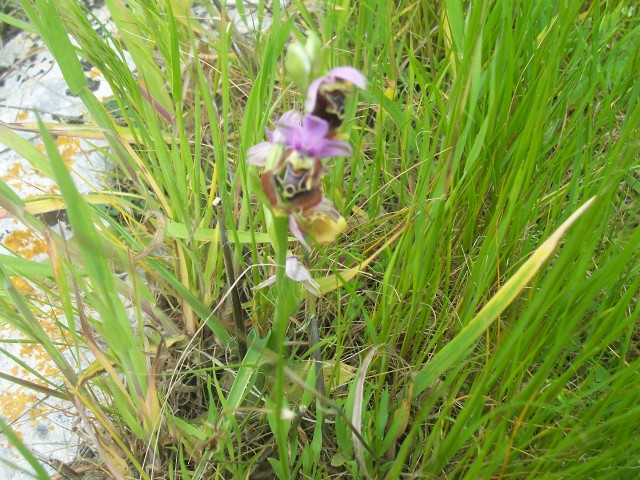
<point>25,243</point>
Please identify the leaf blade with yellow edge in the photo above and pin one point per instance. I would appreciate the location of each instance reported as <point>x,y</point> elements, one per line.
<point>454,351</point>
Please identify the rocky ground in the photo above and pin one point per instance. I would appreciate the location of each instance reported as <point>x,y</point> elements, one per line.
<point>31,83</point>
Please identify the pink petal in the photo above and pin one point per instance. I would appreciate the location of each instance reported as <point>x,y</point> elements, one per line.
<point>257,155</point>
<point>314,128</point>
<point>297,232</point>
<point>296,271</point>
<point>290,117</point>
<point>350,75</point>
<point>289,120</point>
<point>312,93</point>
<point>334,148</point>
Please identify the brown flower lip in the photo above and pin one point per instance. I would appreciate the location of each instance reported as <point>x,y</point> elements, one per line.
<point>326,95</point>
<point>291,189</point>
<point>330,105</point>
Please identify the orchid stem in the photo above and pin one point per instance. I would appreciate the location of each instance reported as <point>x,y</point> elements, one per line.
<point>314,336</point>
<point>279,332</point>
<point>281,317</point>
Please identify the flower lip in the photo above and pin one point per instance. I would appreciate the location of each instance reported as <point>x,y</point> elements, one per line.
<point>293,184</point>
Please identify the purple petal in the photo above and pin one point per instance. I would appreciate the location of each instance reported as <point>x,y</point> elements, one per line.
<point>288,122</point>
<point>290,117</point>
<point>333,148</point>
<point>312,93</point>
<point>326,206</point>
<point>313,129</point>
<point>257,155</point>
<point>350,75</point>
<point>295,229</point>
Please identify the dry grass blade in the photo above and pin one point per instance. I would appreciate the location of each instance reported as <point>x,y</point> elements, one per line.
<point>158,236</point>
<point>115,463</point>
<point>358,406</point>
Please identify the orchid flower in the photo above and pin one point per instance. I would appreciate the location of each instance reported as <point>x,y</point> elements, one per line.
<point>293,161</point>
<point>293,183</point>
<point>326,95</point>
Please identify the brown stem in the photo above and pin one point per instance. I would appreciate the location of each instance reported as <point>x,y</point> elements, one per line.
<point>241,333</point>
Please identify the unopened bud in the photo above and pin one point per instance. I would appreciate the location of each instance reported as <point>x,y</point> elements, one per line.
<point>303,61</point>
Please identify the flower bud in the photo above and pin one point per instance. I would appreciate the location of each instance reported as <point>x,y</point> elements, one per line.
<point>303,60</point>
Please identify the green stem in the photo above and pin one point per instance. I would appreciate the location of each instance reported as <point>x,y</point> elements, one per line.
<point>279,332</point>
<point>281,316</point>
<point>314,336</point>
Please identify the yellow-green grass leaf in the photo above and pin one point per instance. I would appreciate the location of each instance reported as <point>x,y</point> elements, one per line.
<point>201,234</point>
<point>93,369</point>
<point>117,330</point>
<point>26,268</point>
<point>302,368</point>
<point>454,351</point>
<point>51,28</point>
<point>24,148</point>
<point>246,376</point>
<point>8,19</point>
<point>182,13</point>
<point>88,132</point>
<point>40,205</point>
<point>10,201</point>
<point>26,321</point>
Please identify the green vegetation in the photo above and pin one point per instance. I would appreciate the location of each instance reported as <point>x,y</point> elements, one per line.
<point>479,316</point>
